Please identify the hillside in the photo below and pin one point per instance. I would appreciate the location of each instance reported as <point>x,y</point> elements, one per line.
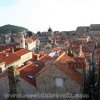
<point>11,29</point>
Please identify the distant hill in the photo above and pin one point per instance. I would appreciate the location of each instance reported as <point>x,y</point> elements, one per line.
<point>11,29</point>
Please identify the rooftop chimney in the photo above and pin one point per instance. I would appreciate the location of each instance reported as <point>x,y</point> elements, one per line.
<point>6,54</point>
<point>38,57</point>
<point>81,54</point>
<point>56,55</point>
<point>12,50</point>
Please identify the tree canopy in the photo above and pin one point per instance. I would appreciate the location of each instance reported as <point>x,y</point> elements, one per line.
<point>6,29</point>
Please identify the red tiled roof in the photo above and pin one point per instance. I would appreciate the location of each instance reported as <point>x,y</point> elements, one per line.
<point>45,58</point>
<point>76,43</point>
<point>62,64</point>
<point>70,72</point>
<point>9,59</point>
<point>2,56</point>
<point>41,54</point>
<point>77,64</point>
<point>22,52</point>
<point>78,59</point>
<point>12,57</point>
<point>44,69</point>
<point>2,48</point>
<point>98,51</point>
<point>67,70</point>
<point>30,69</point>
<point>36,54</point>
<point>85,49</point>
<point>65,58</point>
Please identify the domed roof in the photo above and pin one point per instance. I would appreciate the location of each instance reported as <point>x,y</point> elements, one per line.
<point>49,30</point>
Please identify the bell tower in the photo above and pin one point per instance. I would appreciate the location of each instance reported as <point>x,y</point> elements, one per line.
<point>81,54</point>
<point>22,41</point>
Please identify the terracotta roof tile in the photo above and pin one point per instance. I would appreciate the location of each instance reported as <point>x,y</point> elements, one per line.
<point>70,72</point>
<point>9,59</point>
<point>98,51</point>
<point>2,48</point>
<point>67,70</point>
<point>30,69</point>
<point>45,58</point>
<point>21,52</point>
<point>65,58</point>
<point>85,49</point>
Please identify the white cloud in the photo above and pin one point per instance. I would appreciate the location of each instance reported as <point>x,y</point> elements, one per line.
<point>59,14</point>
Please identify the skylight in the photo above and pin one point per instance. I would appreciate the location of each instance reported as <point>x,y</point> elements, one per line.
<point>52,54</point>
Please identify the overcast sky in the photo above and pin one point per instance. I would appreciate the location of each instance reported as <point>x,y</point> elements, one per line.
<point>61,15</point>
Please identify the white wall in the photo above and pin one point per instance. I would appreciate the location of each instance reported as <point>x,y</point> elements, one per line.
<point>7,41</point>
<point>2,65</point>
<point>26,57</point>
<point>32,46</point>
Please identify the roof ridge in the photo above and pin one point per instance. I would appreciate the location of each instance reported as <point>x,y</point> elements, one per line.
<point>60,57</point>
<point>74,75</point>
<point>26,66</point>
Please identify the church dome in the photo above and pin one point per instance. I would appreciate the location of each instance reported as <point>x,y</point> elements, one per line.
<point>49,30</point>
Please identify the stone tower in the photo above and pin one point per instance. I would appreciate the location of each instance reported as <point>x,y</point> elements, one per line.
<point>81,54</point>
<point>12,83</point>
<point>22,41</point>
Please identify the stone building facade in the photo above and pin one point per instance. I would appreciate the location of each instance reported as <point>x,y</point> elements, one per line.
<point>54,80</point>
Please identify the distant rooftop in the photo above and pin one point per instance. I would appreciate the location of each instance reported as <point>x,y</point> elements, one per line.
<point>95,27</point>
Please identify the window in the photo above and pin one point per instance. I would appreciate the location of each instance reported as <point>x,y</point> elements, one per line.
<point>31,76</point>
<point>47,47</point>
<point>21,41</point>
<point>79,70</point>
<point>59,82</point>
<point>0,70</point>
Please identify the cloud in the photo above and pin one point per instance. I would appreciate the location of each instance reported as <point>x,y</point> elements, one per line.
<point>59,14</point>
